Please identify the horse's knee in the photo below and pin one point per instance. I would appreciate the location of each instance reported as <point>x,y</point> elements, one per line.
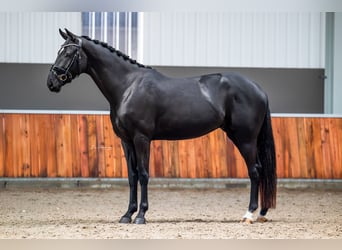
<point>132,180</point>
<point>143,177</point>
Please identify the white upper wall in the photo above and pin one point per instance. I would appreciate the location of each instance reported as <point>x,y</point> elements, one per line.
<point>243,39</point>
<point>228,39</point>
<point>33,37</point>
<point>337,62</point>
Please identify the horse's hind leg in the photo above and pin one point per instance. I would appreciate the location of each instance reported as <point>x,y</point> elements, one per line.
<point>130,155</point>
<point>249,153</point>
<point>248,150</point>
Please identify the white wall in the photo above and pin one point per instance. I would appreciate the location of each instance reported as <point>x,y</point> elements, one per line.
<point>243,39</point>
<point>337,68</point>
<point>32,37</point>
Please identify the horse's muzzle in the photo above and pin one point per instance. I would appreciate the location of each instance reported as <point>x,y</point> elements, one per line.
<point>53,83</point>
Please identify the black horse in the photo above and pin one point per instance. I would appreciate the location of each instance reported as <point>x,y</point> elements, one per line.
<point>146,105</point>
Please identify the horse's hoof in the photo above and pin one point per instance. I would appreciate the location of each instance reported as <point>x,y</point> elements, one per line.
<point>246,221</point>
<point>125,220</point>
<point>262,219</point>
<point>139,221</point>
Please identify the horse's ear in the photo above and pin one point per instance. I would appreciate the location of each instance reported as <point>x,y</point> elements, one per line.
<point>71,35</point>
<point>63,34</point>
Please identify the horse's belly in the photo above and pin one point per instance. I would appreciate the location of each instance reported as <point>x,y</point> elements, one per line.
<point>179,131</point>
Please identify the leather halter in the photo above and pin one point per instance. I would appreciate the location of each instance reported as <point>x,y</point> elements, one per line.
<point>65,74</point>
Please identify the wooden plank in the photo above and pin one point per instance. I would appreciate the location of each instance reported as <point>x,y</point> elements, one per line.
<point>41,138</point>
<point>101,148</point>
<point>155,158</point>
<point>68,156</point>
<point>336,147</point>
<point>34,141</point>
<point>191,162</point>
<point>302,149</point>
<point>167,166</point>
<point>183,155</point>
<point>282,153</point>
<point>326,143</point>
<point>293,142</point>
<point>278,143</point>
<point>16,146</point>
<point>63,146</point>
<point>222,153</point>
<point>318,154</point>
<point>338,169</point>
<point>200,157</point>
<point>51,146</point>
<point>75,146</point>
<point>92,146</point>
<point>152,162</point>
<point>207,168</point>
<point>311,144</point>
<point>43,130</point>
<point>2,145</point>
<point>214,155</point>
<point>9,147</point>
<point>175,166</point>
<point>25,145</point>
<point>109,143</point>
<point>120,166</point>
<point>83,141</point>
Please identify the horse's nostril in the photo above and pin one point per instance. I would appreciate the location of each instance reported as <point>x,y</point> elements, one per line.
<point>50,84</point>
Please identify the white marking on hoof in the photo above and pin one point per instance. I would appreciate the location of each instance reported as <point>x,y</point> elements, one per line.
<point>247,218</point>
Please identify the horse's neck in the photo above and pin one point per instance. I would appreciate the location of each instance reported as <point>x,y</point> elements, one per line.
<point>108,71</point>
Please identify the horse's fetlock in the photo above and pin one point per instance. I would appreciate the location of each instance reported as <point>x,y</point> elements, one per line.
<point>133,208</point>
<point>144,206</point>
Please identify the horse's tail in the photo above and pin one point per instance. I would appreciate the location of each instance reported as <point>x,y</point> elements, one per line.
<point>267,157</point>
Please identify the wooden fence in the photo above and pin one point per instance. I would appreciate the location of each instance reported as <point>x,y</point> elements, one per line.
<point>83,145</point>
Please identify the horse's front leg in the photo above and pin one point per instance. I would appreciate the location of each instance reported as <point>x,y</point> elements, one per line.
<point>133,182</point>
<point>142,147</point>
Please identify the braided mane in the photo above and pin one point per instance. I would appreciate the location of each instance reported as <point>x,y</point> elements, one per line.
<point>117,52</point>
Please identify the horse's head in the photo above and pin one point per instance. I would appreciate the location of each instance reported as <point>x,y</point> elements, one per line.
<point>70,62</point>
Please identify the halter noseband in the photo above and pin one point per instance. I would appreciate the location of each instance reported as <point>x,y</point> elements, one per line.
<point>65,74</point>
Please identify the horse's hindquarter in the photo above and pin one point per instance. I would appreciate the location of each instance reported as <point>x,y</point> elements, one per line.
<point>246,104</point>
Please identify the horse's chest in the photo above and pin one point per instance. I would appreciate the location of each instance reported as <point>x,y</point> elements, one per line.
<point>119,128</point>
<point>127,121</point>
